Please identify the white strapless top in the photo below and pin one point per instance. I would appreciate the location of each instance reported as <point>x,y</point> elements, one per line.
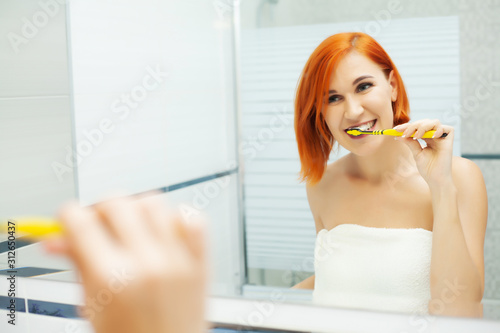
<point>386,269</point>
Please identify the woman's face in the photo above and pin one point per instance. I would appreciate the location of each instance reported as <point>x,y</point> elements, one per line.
<point>360,96</point>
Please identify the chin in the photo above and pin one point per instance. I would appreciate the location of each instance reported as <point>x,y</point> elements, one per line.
<point>366,148</point>
<point>363,152</point>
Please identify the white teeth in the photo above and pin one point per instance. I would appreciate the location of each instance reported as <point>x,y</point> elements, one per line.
<point>365,126</point>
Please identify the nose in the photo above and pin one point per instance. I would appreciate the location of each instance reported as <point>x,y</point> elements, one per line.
<point>353,108</point>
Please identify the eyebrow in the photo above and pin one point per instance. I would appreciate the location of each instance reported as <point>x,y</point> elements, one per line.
<point>354,82</point>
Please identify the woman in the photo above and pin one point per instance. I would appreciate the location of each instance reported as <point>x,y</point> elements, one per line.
<point>399,227</point>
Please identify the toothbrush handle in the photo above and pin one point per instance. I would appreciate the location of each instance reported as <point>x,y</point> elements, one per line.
<point>427,135</point>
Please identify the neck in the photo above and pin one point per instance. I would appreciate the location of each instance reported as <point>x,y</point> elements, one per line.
<point>392,159</point>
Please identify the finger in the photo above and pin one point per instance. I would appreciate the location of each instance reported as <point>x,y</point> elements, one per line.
<point>449,130</point>
<point>148,194</point>
<point>193,230</point>
<point>85,236</point>
<point>85,311</point>
<point>401,127</point>
<point>410,129</point>
<point>125,220</point>
<point>424,126</point>
<point>197,243</point>
<point>171,235</point>
<point>56,246</point>
<point>181,240</point>
<point>438,133</point>
<point>181,224</point>
<point>158,215</point>
<point>198,246</point>
<point>437,139</point>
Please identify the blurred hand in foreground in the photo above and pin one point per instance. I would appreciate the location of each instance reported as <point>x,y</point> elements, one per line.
<point>143,267</point>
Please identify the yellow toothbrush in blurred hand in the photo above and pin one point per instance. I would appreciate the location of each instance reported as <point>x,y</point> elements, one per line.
<point>32,227</point>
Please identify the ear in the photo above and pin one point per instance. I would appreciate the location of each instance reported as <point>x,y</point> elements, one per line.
<point>394,86</point>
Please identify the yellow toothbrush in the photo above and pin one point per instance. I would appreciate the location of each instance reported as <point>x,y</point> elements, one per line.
<point>391,132</point>
<point>36,228</point>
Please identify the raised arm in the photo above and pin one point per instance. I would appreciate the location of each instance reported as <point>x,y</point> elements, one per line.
<point>457,269</point>
<point>460,209</point>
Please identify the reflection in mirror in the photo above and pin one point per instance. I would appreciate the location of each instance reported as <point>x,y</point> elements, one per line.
<point>373,229</point>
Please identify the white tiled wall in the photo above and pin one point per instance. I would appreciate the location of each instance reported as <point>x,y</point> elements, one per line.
<point>51,89</point>
<point>174,61</point>
<point>160,75</point>
<point>35,112</point>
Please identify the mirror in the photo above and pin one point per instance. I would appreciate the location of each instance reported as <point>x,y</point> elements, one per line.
<point>127,116</point>
<point>436,48</point>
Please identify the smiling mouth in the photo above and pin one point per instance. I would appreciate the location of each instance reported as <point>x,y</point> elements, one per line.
<point>363,127</point>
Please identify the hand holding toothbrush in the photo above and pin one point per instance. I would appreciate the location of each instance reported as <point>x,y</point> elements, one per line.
<point>434,161</point>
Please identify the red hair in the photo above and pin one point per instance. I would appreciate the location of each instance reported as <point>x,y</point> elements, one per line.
<point>314,139</point>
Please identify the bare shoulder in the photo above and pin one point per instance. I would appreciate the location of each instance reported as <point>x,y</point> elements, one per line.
<point>317,193</point>
<point>332,172</point>
<point>466,172</point>
<point>471,188</point>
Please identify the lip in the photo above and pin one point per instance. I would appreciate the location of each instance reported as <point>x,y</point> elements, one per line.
<point>359,124</point>
<point>363,135</point>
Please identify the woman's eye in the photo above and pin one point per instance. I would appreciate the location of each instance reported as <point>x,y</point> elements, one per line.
<point>364,86</point>
<point>334,98</point>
